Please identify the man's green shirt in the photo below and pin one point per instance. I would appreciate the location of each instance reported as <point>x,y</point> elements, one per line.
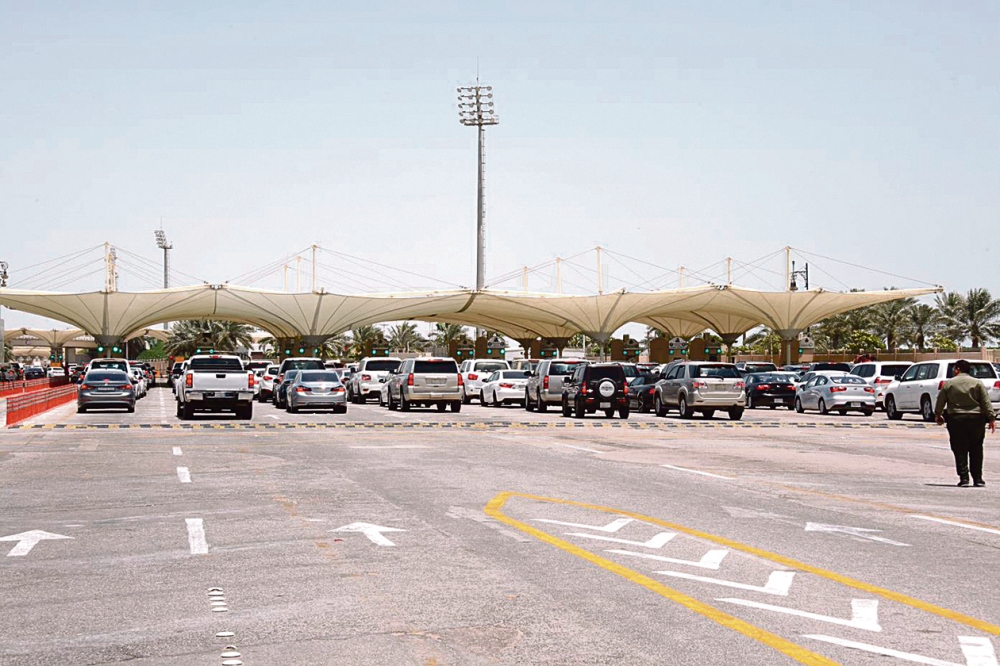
<point>964,395</point>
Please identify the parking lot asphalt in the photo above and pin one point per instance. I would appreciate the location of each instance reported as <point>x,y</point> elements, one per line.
<point>491,536</point>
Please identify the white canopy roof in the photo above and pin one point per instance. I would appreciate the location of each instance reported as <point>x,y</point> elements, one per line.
<point>728,310</point>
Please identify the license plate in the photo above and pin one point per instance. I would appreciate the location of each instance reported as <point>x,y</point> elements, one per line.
<point>605,405</point>
<point>435,382</point>
<point>219,394</point>
<point>854,404</point>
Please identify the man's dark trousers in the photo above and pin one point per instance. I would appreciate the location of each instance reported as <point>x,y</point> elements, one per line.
<point>967,435</point>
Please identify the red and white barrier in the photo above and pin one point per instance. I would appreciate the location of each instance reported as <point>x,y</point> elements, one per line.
<point>29,385</point>
<point>25,405</point>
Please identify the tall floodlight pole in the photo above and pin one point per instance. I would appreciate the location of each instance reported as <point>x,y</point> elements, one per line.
<point>3,284</point>
<point>161,242</point>
<point>475,109</point>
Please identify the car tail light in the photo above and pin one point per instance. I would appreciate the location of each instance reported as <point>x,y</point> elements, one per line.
<point>699,385</point>
<point>869,389</point>
<point>339,389</point>
<point>85,387</point>
<point>507,386</point>
<point>303,389</point>
<point>545,383</point>
<point>189,380</point>
<point>409,379</point>
<point>651,390</point>
<point>940,385</point>
<point>366,378</point>
<point>281,378</point>
<point>583,389</point>
<point>625,389</point>
<point>740,385</point>
<point>837,389</point>
<point>251,379</point>
<point>267,378</point>
<point>473,376</point>
<point>996,385</point>
<point>883,380</point>
<point>762,387</point>
<point>461,382</point>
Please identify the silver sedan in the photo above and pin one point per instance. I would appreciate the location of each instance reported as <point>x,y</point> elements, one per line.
<point>840,394</point>
<point>317,389</point>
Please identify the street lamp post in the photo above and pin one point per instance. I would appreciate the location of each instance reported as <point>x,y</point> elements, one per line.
<point>3,284</point>
<point>161,242</point>
<point>475,109</point>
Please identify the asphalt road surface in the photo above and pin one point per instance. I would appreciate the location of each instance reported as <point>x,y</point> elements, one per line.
<point>491,536</point>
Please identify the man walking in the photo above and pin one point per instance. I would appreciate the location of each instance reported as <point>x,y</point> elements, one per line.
<point>969,410</point>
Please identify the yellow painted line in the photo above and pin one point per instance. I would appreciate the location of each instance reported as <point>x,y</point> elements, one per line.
<point>496,504</point>
<point>494,509</point>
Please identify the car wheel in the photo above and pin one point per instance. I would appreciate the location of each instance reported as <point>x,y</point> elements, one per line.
<point>496,400</point>
<point>340,409</point>
<point>456,406</point>
<point>392,404</point>
<point>441,406</point>
<point>682,407</point>
<point>527,403</point>
<point>188,412</point>
<point>842,412</point>
<point>822,407</point>
<point>404,404</point>
<point>579,411</point>
<point>868,412</point>
<point>542,405</point>
<point>661,409</point>
<point>890,409</point>
<point>623,413</point>
<point>750,404</point>
<point>565,407</point>
<point>926,409</point>
<point>245,413</point>
<point>709,413</point>
<point>81,410</point>
<point>609,413</point>
<point>643,406</point>
<point>482,400</point>
<point>735,413</point>
<point>180,410</point>
<point>131,408</point>
<point>798,406</point>
<point>466,400</point>
<point>774,406</point>
<point>291,409</point>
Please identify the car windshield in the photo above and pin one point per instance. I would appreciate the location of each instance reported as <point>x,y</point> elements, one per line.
<point>434,367</point>
<point>605,372</point>
<point>290,376</point>
<point>382,366</point>
<point>715,371</point>
<point>489,366</point>
<point>315,376</point>
<point>847,379</point>
<point>978,370</point>
<point>304,364</point>
<point>106,376</point>
<point>514,374</point>
<point>563,368</point>
<point>630,370</point>
<point>213,364</point>
<point>773,378</point>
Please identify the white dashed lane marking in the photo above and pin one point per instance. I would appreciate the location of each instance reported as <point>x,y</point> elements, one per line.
<point>196,536</point>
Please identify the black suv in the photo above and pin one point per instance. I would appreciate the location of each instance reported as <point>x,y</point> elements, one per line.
<point>596,386</point>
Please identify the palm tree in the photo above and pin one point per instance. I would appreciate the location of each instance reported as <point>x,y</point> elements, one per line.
<point>832,332</point>
<point>445,334</point>
<point>187,336</point>
<point>363,336</point>
<point>890,320</point>
<point>978,317</point>
<point>924,322</point>
<point>948,306</point>
<point>404,337</point>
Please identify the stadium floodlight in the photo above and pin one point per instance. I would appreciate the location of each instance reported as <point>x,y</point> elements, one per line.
<point>163,244</point>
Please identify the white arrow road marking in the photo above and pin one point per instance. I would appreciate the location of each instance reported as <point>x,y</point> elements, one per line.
<point>177,450</point>
<point>658,541</point>
<point>273,416</point>
<point>777,583</point>
<point>695,471</point>
<point>610,528</point>
<point>196,536</point>
<point>184,474</point>
<point>711,560</point>
<point>977,651</point>
<point>27,540</point>
<point>373,532</point>
<point>956,524</point>
<point>858,532</point>
<point>864,613</point>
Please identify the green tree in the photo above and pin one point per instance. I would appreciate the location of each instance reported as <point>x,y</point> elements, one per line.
<point>949,306</point>
<point>943,343</point>
<point>763,341</point>
<point>924,322</point>
<point>832,332</point>
<point>976,317</point>
<point>191,334</point>
<point>444,334</point>
<point>405,337</point>
<point>863,341</point>
<point>890,320</point>
<point>156,350</point>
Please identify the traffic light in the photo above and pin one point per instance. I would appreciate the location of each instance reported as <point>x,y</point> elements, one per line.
<point>116,349</point>
<point>100,349</point>
<point>288,352</point>
<point>671,352</point>
<point>800,350</point>
<point>52,357</point>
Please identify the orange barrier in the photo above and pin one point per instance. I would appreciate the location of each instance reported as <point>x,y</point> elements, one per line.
<point>20,386</point>
<point>26,405</point>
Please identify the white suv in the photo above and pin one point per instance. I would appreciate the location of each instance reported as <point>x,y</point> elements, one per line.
<point>916,391</point>
<point>878,375</point>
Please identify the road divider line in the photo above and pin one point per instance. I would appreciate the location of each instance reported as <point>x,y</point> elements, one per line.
<point>955,523</point>
<point>495,509</point>
<point>970,645</point>
<point>184,474</point>
<point>695,471</point>
<point>580,448</point>
<point>196,536</point>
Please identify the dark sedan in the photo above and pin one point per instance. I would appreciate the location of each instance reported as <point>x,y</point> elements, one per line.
<point>105,388</point>
<point>771,389</point>
<point>641,391</point>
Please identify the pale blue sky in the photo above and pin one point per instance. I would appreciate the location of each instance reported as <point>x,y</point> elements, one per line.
<point>678,133</point>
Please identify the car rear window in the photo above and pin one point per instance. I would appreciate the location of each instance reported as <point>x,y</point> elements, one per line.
<point>107,365</point>
<point>489,366</point>
<point>434,367</point>
<point>843,367</point>
<point>303,364</point>
<point>716,371</point>
<point>847,379</point>
<point>222,364</point>
<point>106,376</point>
<point>317,376</point>
<point>382,366</point>
<point>563,368</point>
<point>514,374</point>
<point>772,378</point>
<point>272,370</point>
<point>630,370</point>
<point>606,372</point>
<point>892,370</point>
<point>760,367</point>
<point>978,370</point>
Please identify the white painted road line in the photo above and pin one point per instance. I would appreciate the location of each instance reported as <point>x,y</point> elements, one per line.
<point>273,416</point>
<point>177,451</point>
<point>610,528</point>
<point>864,613</point>
<point>184,474</point>
<point>695,471</point>
<point>710,560</point>
<point>658,541</point>
<point>580,448</point>
<point>28,540</point>
<point>854,532</point>
<point>777,584</point>
<point>373,532</point>
<point>956,524</point>
<point>394,446</point>
<point>976,654</point>
<point>196,536</point>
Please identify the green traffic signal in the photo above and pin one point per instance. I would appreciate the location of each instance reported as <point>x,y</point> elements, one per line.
<point>52,357</point>
<point>100,349</point>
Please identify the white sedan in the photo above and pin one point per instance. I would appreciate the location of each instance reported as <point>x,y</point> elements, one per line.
<point>504,387</point>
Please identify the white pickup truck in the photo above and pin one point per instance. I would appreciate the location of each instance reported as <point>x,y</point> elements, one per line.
<point>216,383</point>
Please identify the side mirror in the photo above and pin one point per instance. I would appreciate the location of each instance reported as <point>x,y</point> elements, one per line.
<point>528,373</point>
